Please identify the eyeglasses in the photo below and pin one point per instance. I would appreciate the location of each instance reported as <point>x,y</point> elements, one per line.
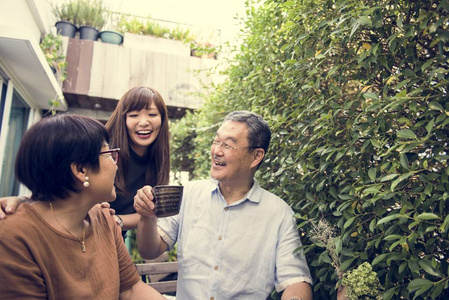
<point>114,153</point>
<point>229,147</point>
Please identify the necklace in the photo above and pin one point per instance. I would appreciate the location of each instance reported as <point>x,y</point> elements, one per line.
<point>83,245</point>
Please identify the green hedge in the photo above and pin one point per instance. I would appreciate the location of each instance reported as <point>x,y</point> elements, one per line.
<point>356,93</point>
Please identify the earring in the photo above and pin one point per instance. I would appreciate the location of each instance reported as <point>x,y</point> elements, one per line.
<point>86,182</point>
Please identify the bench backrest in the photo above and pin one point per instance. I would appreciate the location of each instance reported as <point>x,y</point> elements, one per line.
<point>155,270</point>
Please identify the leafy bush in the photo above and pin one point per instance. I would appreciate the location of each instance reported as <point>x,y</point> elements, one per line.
<point>356,95</point>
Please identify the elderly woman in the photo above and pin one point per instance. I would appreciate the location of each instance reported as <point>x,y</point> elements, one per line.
<point>61,245</point>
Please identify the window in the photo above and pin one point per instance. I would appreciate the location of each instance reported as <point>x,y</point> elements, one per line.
<point>18,121</point>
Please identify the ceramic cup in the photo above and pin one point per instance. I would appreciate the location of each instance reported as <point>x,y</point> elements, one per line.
<point>167,200</point>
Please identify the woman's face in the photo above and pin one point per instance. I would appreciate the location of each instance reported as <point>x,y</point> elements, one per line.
<point>102,183</point>
<point>143,128</point>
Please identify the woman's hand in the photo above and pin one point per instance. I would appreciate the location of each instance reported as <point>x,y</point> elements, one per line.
<point>9,205</point>
<point>143,202</point>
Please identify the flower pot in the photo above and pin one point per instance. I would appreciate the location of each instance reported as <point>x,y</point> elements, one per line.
<point>88,33</point>
<point>66,28</point>
<point>111,37</point>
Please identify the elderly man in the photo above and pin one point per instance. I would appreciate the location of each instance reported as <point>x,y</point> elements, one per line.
<point>235,239</point>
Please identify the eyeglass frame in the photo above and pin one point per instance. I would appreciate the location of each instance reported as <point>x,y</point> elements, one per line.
<point>229,147</point>
<point>110,151</point>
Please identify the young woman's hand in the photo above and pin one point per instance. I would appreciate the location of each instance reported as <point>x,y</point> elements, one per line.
<point>9,205</point>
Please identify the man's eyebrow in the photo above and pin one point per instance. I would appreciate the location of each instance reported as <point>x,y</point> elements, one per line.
<point>229,138</point>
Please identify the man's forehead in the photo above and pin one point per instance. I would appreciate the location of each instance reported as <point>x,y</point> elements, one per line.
<point>232,130</point>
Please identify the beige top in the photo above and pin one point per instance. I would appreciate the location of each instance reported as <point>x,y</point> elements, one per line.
<point>39,262</point>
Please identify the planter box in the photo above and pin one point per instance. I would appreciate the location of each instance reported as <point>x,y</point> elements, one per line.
<point>155,44</point>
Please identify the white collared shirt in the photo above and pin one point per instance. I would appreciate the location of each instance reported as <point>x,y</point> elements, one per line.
<point>237,251</point>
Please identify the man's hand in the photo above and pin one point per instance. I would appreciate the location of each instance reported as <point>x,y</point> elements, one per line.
<point>143,202</point>
<point>9,205</point>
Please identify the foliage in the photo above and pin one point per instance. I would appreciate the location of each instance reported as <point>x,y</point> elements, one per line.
<point>51,46</point>
<point>151,27</point>
<point>356,95</point>
<point>182,146</point>
<point>92,13</point>
<point>66,11</point>
<point>323,235</point>
<point>362,283</point>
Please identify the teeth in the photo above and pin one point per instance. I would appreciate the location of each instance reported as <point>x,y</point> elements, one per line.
<point>220,163</point>
<point>144,132</point>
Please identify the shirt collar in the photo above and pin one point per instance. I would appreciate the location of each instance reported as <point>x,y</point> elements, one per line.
<point>254,194</point>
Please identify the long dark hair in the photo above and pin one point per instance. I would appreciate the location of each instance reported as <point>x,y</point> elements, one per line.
<point>158,156</point>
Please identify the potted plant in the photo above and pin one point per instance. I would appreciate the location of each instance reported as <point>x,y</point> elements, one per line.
<point>51,46</point>
<point>66,15</point>
<point>112,35</point>
<point>91,18</point>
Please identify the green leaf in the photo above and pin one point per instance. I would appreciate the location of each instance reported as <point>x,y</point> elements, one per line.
<point>404,161</point>
<point>429,126</point>
<point>371,95</point>
<point>348,222</point>
<point>364,21</point>
<point>406,133</point>
<point>338,245</point>
<point>408,72</point>
<point>427,216</point>
<point>427,267</point>
<point>389,293</point>
<point>388,177</point>
<point>344,265</point>
<point>389,218</point>
<point>379,258</point>
<point>435,106</point>
<point>372,174</point>
<point>399,180</point>
<point>392,237</point>
<point>418,283</point>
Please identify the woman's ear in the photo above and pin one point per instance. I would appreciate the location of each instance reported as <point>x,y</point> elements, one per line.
<point>79,172</point>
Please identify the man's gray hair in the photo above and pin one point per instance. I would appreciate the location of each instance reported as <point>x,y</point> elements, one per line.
<point>259,133</point>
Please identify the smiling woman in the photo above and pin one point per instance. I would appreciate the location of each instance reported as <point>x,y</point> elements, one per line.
<point>139,127</point>
<point>49,242</point>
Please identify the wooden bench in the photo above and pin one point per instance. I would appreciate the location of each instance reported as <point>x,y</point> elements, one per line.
<point>152,271</point>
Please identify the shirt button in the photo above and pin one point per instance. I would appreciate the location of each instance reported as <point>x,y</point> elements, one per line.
<point>216,268</point>
<point>226,208</point>
<point>220,237</point>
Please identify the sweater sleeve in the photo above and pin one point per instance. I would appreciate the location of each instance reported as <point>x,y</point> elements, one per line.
<point>21,277</point>
<point>128,272</point>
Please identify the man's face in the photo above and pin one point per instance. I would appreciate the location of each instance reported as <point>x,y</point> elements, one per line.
<point>233,160</point>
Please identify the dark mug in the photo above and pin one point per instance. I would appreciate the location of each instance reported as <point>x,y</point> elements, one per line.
<point>167,200</point>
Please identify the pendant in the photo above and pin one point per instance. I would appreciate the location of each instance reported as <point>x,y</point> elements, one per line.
<point>83,247</point>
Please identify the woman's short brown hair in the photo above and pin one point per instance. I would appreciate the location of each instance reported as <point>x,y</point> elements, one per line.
<point>49,147</point>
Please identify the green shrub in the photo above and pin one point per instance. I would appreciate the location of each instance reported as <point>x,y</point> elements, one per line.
<point>356,95</point>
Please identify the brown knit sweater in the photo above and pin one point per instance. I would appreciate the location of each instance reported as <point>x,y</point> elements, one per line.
<point>39,262</point>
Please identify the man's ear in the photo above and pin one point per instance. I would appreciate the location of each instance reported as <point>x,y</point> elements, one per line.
<point>79,172</point>
<point>258,156</point>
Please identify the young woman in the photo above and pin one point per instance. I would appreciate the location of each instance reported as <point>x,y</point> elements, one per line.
<point>139,127</point>
<point>62,245</point>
